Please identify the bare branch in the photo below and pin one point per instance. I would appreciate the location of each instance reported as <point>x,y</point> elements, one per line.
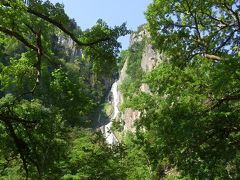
<point>212,57</point>
<point>214,18</point>
<point>225,42</point>
<point>234,14</point>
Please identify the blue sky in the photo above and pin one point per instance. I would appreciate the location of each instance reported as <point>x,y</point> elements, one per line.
<point>114,12</point>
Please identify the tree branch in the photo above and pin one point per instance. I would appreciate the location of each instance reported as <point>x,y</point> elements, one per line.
<point>225,42</point>
<point>18,37</point>
<point>234,14</point>
<point>20,145</point>
<point>61,27</point>
<point>214,18</point>
<point>16,120</point>
<point>225,99</point>
<point>212,57</point>
<point>39,56</point>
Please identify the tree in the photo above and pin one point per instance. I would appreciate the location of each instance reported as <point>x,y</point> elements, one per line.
<point>191,118</point>
<point>43,95</point>
<point>209,29</point>
<point>91,158</point>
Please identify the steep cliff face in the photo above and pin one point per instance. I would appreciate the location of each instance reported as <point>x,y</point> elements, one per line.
<point>150,58</point>
<point>72,53</point>
<point>65,48</point>
<point>139,59</point>
<point>71,50</point>
<point>147,59</point>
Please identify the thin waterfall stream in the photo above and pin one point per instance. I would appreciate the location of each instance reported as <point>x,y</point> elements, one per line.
<point>109,135</point>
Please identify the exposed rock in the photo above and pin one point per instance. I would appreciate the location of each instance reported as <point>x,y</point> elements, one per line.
<point>130,116</point>
<point>145,88</point>
<point>138,36</point>
<point>108,81</point>
<point>71,49</point>
<point>122,76</point>
<point>149,61</point>
<point>123,73</point>
<point>150,58</point>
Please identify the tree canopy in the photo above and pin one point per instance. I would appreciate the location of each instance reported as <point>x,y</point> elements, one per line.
<point>53,79</point>
<point>42,93</point>
<point>190,120</point>
<point>209,29</point>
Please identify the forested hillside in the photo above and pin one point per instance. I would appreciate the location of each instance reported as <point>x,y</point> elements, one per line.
<point>179,92</point>
<point>189,112</point>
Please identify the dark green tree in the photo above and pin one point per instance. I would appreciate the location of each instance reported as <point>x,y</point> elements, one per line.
<point>42,95</point>
<point>190,120</point>
<point>186,29</point>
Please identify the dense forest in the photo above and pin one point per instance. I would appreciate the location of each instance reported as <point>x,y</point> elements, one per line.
<point>55,78</point>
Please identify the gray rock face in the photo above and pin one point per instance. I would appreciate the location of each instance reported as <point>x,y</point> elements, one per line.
<point>123,73</point>
<point>71,49</point>
<point>145,88</point>
<point>122,76</point>
<point>130,116</point>
<point>150,58</point>
<point>138,36</point>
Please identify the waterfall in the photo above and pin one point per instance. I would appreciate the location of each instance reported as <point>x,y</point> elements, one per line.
<point>109,135</point>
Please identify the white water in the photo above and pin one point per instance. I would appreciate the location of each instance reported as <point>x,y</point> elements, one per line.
<point>110,137</point>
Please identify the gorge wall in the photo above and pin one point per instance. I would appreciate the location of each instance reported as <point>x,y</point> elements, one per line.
<point>146,60</point>
<point>139,59</point>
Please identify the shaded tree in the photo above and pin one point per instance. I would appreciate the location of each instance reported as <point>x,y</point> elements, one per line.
<point>42,95</point>
<point>190,120</point>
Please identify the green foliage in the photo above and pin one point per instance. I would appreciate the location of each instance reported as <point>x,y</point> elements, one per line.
<point>108,109</point>
<point>134,69</point>
<point>19,73</point>
<point>73,92</point>
<point>45,92</point>
<point>132,82</point>
<point>190,121</point>
<point>122,58</point>
<point>103,55</point>
<point>117,125</point>
<point>38,133</point>
<point>91,158</point>
<point>189,28</point>
<point>136,159</point>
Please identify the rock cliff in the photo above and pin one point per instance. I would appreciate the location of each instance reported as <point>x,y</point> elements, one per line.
<point>149,58</point>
